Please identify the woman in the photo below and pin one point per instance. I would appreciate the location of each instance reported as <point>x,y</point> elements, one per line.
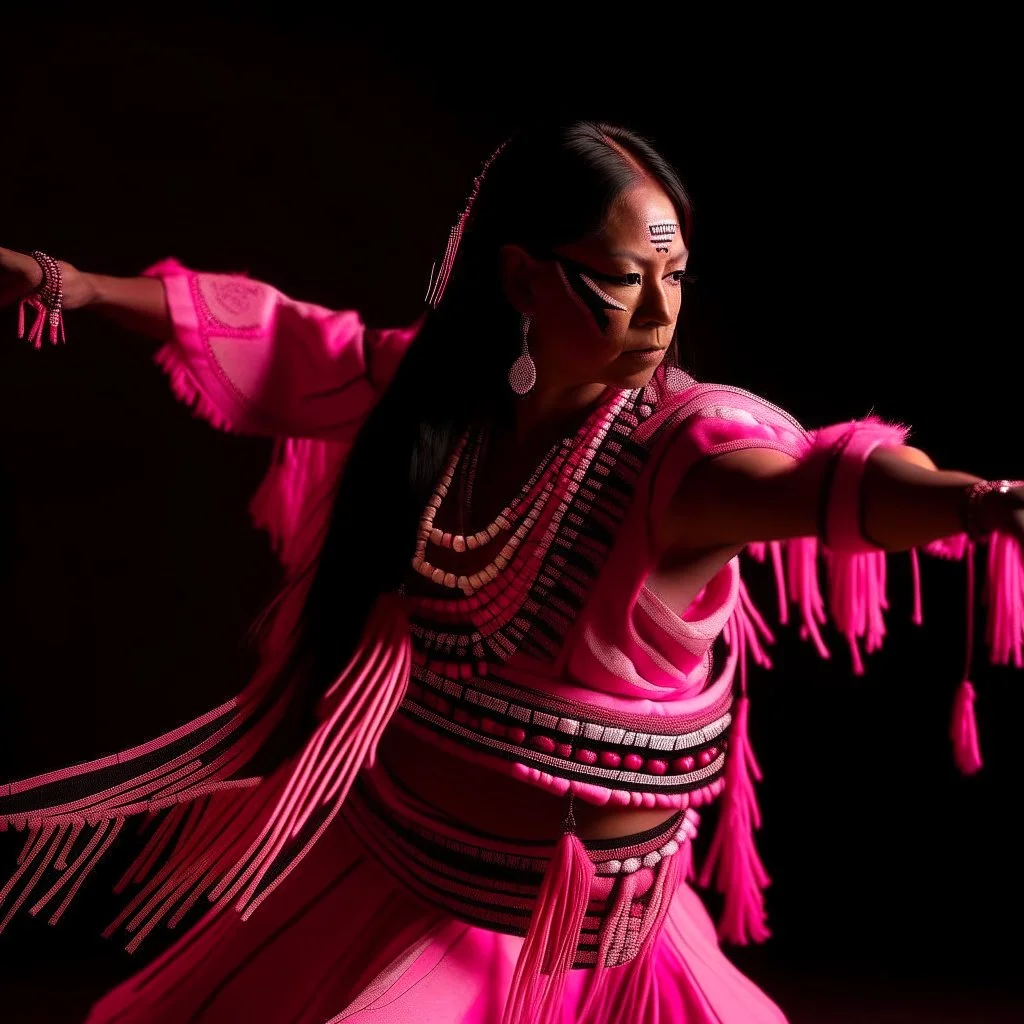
<point>463,785</point>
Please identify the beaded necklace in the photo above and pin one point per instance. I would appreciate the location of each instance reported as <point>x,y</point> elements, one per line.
<point>521,514</point>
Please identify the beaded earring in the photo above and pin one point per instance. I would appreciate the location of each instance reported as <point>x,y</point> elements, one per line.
<point>523,373</point>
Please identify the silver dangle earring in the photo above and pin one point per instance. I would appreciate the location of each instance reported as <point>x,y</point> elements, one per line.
<point>523,373</point>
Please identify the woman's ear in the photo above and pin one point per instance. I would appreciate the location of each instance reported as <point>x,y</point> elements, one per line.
<point>518,275</point>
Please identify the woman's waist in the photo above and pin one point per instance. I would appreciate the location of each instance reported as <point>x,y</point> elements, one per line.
<point>494,880</point>
<point>484,798</point>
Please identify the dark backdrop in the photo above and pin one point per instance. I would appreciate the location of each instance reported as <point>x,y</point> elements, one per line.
<point>857,216</point>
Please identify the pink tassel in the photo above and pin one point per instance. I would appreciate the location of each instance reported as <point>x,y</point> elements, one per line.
<point>733,863</point>
<point>857,600</point>
<point>964,726</point>
<point>917,616</point>
<point>549,950</point>
<point>804,589</point>
<point>1004,594</point>
<point>964,731</point>
<point>35,333</point>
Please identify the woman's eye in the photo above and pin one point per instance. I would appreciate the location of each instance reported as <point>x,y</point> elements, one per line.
<point>630,279</point>
<point>680,277</point>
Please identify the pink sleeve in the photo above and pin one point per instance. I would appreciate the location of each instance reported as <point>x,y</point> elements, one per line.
<point>717,420</point>
<point>251,360</point>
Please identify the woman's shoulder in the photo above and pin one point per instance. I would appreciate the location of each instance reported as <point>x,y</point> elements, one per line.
<point>716,415</point>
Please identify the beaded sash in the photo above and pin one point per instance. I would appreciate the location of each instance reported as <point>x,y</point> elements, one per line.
<point>493,882</point>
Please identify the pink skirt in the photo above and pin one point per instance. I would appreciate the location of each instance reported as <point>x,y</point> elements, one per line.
<point>395,917</point>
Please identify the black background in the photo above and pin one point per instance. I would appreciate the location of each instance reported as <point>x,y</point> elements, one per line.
<point>857,248</point>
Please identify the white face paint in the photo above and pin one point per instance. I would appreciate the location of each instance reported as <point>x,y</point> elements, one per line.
<point>601,294</point>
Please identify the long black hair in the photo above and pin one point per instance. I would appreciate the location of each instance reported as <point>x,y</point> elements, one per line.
<point>549,186</point>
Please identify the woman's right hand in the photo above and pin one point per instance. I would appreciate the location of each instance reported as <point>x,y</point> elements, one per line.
<point>20,275</point>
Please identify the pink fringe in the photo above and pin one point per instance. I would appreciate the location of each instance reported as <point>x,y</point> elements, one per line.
<point>1004,594</point>
<point>857,599</point>
<point>236,830</point>
<point>169,359</point>
<point>549,951</point>
<point>964,731</point>
<point>353,714</point>
<point>294,501</point>
<point>804,589</point>
<point>733,863</point>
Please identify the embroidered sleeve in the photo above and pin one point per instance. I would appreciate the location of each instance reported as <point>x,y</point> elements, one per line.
<point>251,360</point>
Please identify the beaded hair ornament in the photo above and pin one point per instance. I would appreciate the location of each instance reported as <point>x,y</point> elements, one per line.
<point>439,275</point>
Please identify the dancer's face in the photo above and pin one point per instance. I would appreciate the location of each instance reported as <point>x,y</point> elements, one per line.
<point>605,309</point>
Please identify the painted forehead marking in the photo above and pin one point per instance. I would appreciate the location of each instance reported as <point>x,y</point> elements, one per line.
<point>662,234</point>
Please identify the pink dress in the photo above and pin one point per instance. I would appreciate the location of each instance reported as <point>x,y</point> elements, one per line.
<point>561,666</point>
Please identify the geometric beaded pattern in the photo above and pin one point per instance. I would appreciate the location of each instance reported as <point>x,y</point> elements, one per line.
<point>575,741</point>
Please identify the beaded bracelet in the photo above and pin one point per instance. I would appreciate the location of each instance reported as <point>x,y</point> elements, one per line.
<point>973,498</point>
<point>47,300</point>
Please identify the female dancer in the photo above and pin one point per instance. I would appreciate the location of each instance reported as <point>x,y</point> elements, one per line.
<point>464,783</point>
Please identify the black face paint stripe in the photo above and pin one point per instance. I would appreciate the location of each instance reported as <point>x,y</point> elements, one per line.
<point>591,301</point>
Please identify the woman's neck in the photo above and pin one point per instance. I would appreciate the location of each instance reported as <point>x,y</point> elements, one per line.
<point>545,412</point>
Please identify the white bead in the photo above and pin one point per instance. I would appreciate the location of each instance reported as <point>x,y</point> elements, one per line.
<point>449,579</point>
<point>670,848</point>
<point>436,535</point>
<point>630,865</point>
<point>652,859</point>
<point>458,542</point>
<point>611,867</point>
<point>437,575</point>
<point>462,582</point>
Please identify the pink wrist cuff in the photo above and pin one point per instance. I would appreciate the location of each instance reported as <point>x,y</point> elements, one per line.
<point>846,447</point>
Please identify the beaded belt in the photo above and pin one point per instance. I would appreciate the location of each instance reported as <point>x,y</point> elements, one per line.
<point>680,758</point>
<point>493,882</point>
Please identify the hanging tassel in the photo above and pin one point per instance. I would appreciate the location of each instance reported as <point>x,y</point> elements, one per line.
<point>805,590</point>
<point>549,950</point>
<point>857,599</point>
<point>1004,595</point>
<point>964,726</point>
<point>733,864</point>
<point>964,731</point>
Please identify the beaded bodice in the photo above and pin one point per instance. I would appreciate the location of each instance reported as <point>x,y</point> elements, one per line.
<point>491,612</point>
